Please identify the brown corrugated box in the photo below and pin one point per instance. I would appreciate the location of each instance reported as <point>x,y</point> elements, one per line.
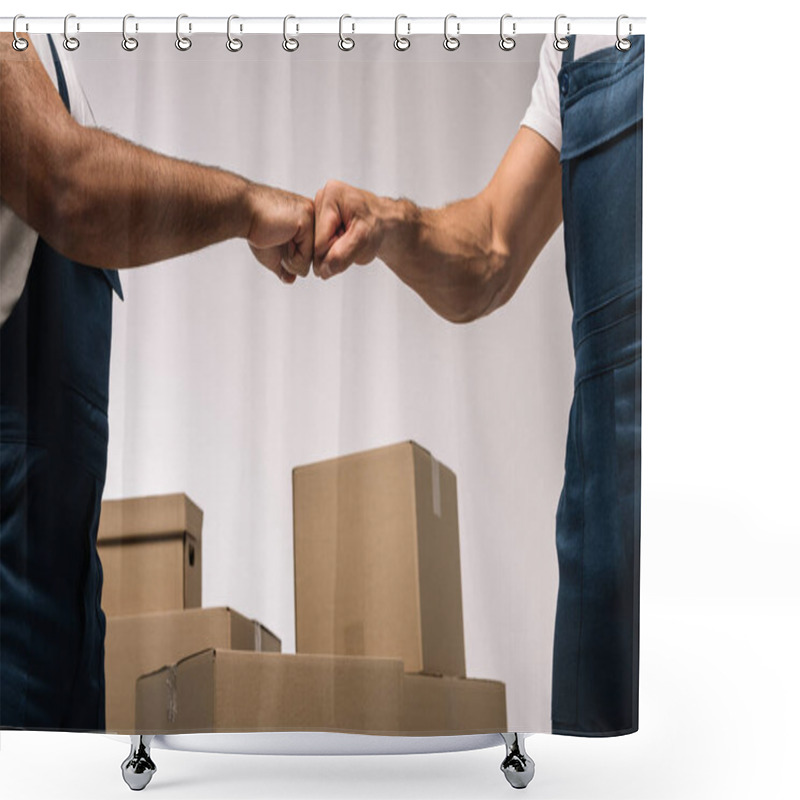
<point>441,705</point>
<point>377,561</point>
<point>150,549</point>
<point>221,690</point>
<point>225,690</point>
<point>142,643</point>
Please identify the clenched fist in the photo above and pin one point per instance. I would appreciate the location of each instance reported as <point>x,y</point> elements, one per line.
<point>348,228</point>
<point>282,231</point>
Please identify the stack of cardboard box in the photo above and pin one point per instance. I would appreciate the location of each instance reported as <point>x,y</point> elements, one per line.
<point>379,627</point>
<point>378,574</point>
<point>150,549</point>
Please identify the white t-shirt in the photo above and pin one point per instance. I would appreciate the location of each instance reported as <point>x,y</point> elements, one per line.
<point>544,112</point>
<point>17,239</point>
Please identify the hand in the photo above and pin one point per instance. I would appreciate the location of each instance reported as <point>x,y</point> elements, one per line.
<point>348,228</point>
<point>282,232</point>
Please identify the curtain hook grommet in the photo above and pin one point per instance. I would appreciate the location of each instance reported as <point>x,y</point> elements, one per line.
<point>71,43</point>
<point>451,43</point>
<point>507,42</point>
<point>183,43</point>
<point>290,44</point>
<point>346,43</point>
<point>19,44</point>
<point>233,44</point>
<point>401,43</point>
<point>623,44</point>
<point>560,43</point>
<point>129,43</point>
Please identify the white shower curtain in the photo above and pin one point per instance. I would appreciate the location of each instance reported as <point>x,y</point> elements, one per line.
<point>223,380</point>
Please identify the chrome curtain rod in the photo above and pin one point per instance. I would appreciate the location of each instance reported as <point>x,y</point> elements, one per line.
<point>458,26</point>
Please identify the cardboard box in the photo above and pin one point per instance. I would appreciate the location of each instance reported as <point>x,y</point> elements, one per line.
<point>145,642</point>
<point>442,705</point>
<point>377,562</point>
<point>150,548</point>
<point>226,690</point>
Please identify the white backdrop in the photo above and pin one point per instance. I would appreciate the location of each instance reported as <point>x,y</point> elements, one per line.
<point>223,379</point>
<point>720,532</point>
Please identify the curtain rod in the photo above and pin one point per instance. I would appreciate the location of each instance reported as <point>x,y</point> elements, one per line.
<point>458,26</point>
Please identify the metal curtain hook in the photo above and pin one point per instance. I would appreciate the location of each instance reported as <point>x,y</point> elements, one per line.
<point>401,42</point>
<point>290,44</point>
<point>451,42</point>
<point>183,43</point>
<point>19,44</point>
<point>622,43</point>
<point>70,42</point>
<point>129,43</point>
<point>233,44</point>
<point>346,42</point>
<point>507,42</point>
<point>560,42</point>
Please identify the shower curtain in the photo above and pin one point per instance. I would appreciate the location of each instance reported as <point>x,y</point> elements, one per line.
<point>393,489</point>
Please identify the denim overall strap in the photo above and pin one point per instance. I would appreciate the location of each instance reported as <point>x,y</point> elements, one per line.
<point>60,79</point>
<point>568,55</point>
<point>595,659</point>
<point>55,351</point>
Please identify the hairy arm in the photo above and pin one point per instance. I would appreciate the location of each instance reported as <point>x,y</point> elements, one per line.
<point>106,202</point>
<point>466,259</point>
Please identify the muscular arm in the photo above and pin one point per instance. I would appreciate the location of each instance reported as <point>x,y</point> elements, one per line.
<point>106,202</point>
<point>466,259</point>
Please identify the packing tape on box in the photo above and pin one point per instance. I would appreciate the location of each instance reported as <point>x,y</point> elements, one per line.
<point>257,638</point>
<point>172,694</point>
<point>437,488</point>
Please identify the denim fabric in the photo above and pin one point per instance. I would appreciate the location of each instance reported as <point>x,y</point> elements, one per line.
<point>596,646</point>
<point>54,369</point>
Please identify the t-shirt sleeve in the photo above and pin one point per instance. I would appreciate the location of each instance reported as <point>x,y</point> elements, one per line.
<point>81,110</point>
<point>544,112</point>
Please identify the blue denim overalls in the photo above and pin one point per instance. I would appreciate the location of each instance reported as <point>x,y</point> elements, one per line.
<point>54,369</point>
<point>596,648</point>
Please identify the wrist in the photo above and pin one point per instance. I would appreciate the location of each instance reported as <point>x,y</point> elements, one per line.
<point>248,202</point>
<point>394,220</point>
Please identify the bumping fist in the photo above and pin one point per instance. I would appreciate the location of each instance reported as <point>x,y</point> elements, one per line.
<point>282,231</point>
<point>347,228</point>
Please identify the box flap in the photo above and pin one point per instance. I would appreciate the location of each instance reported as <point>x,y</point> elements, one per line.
<point>176,614</point>
<point>177,695</point>
<point>359,455</point>
<point>264,640</point>
<point>145,517</point>
<point>209,652</point>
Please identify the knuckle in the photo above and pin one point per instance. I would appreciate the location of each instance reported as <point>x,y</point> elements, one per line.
<point>360,235</point>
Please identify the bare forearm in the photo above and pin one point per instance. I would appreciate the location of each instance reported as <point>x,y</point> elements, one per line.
<point>447,255</point>
<point>107,202</point>
<point>466,259</point>
<point>115,204</point>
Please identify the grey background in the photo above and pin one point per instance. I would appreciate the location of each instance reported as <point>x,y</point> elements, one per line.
<point>223,379</point>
